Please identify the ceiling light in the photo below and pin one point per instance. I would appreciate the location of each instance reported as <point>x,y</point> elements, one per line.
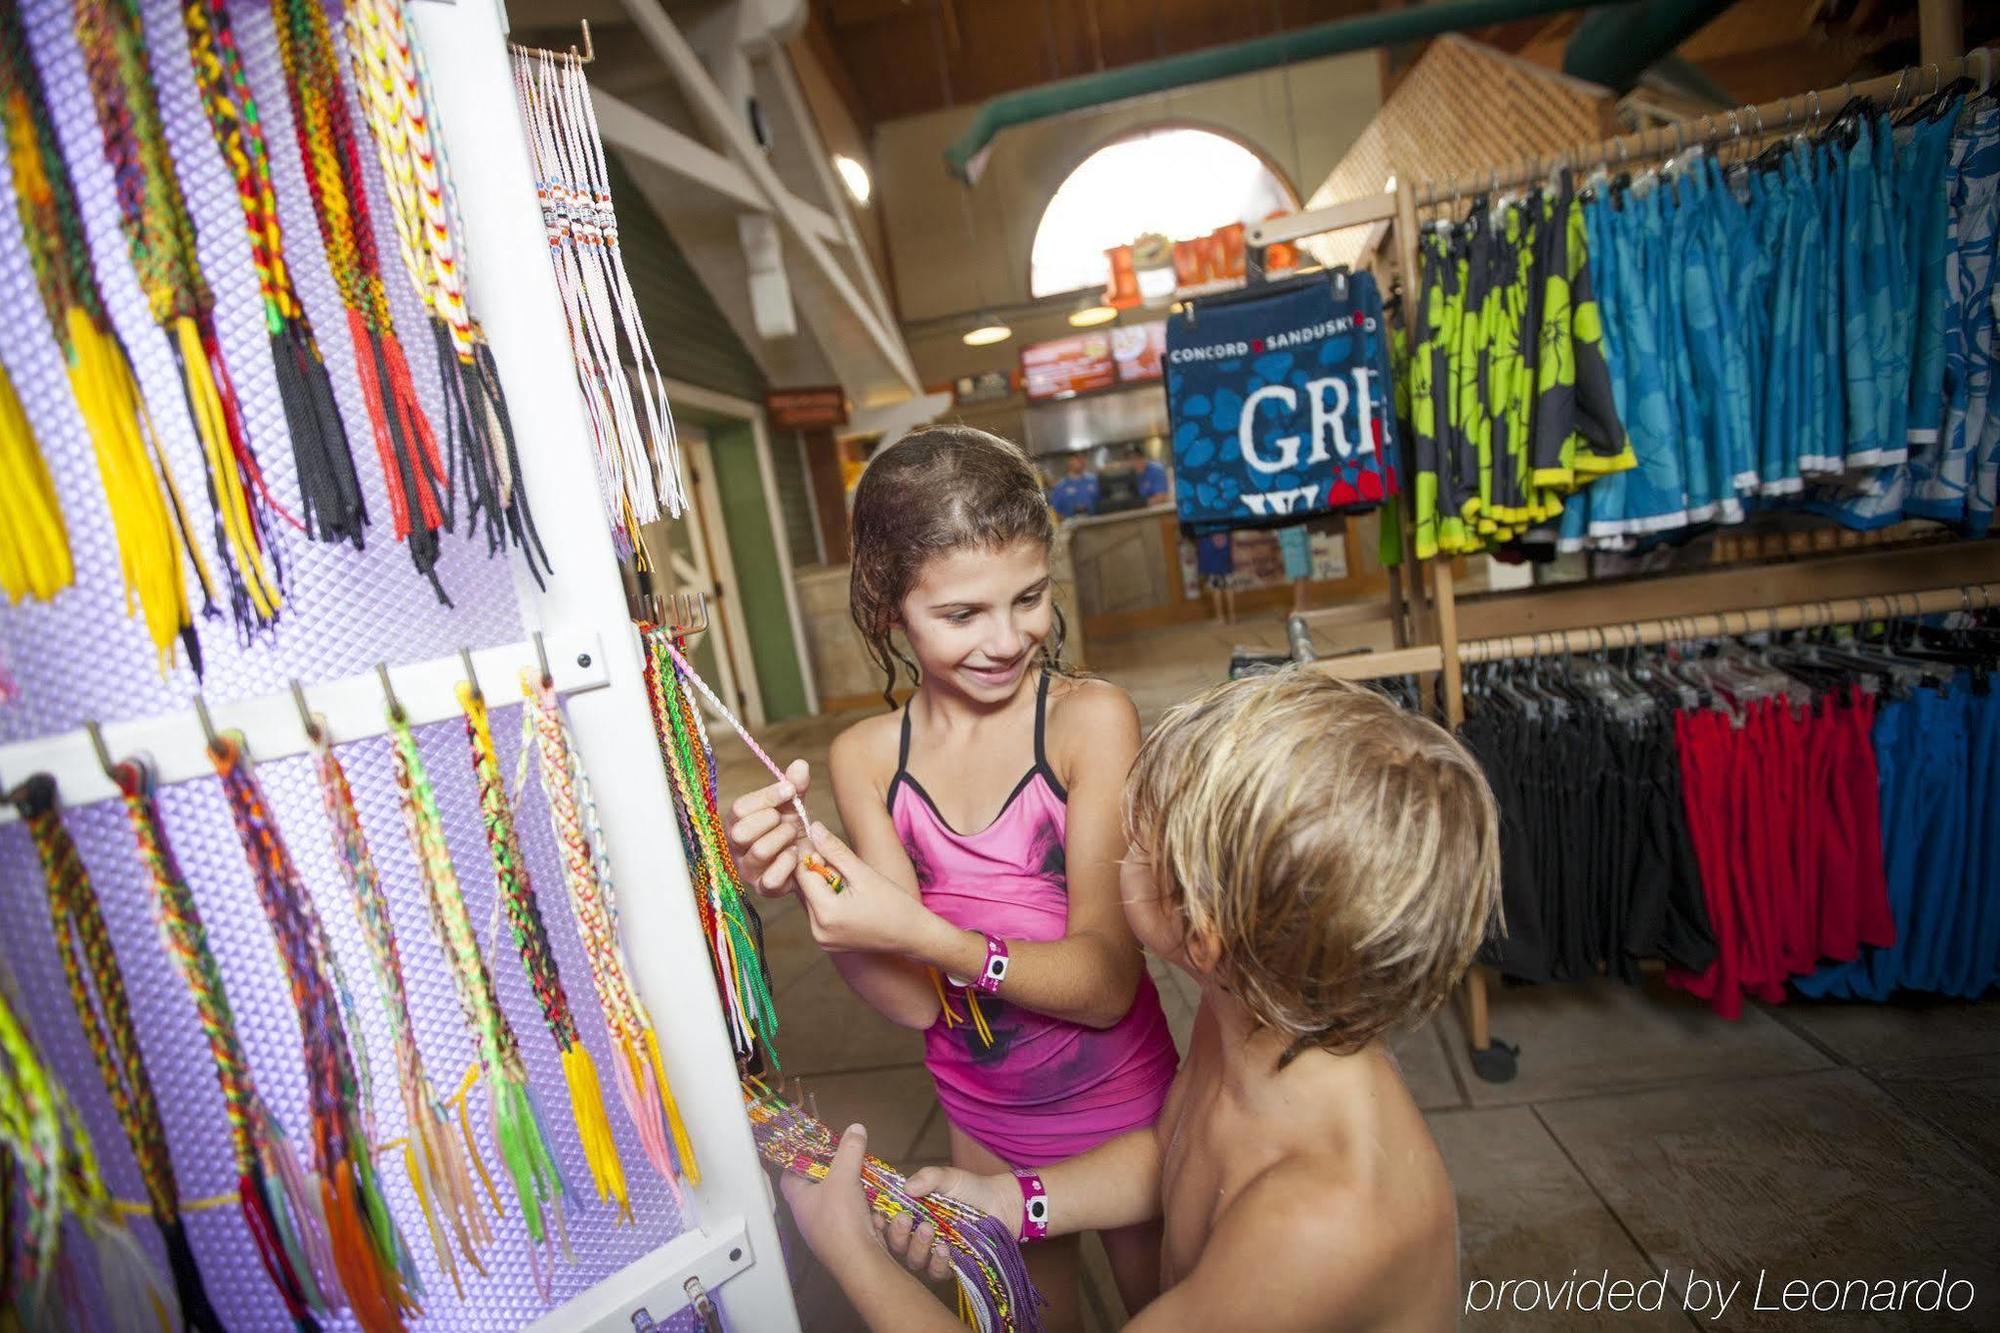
<point>989,330</point>
<point>854,176</point>
<point>1090,316</point>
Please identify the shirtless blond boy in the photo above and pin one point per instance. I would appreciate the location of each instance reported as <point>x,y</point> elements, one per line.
<point>1324,864</point>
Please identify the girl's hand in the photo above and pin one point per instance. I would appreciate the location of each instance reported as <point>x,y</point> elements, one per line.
<point>868,914</point>
<point>765,833</point>
<point>999,1195</point>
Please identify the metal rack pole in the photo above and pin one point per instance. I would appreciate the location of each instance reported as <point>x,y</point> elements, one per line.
<point>1749,122</point>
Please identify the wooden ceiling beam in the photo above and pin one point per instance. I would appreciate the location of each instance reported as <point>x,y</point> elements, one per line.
<point>819,41</point>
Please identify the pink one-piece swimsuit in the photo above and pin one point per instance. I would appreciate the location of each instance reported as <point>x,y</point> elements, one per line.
<point>1046,1088</point>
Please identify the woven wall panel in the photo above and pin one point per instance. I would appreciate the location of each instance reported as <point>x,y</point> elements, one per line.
<point>347,609</point>
<point>1462,110</point>
<point>81,657</point>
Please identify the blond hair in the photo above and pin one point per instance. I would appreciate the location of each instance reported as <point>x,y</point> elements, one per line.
<point>1341,854</point>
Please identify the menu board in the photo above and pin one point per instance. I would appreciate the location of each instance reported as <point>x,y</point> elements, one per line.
<point>1101,359</point>
<point>1066,367</point>
<point>1140,351</point>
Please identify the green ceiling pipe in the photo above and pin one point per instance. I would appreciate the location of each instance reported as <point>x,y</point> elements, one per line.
<point>1220,62</point>
<point>1616,45</point>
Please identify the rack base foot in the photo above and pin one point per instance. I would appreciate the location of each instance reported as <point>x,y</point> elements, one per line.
<point>1496,1063</point>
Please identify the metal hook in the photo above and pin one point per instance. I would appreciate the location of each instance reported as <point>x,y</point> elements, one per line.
<point>542,657</point>
<point>589,51</point>
<point>389,692</point>
<point>208,732</point>
<point>306,718</point>
<point>471,676</point>
<point>1896,98</point>
<point>690,613</point>
<point>1985,66</point>
<point>1812,99</point>
<point>103,751</point>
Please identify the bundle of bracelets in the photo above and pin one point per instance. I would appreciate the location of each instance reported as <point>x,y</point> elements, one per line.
<point>160,236</point>
<point>147,511</point>
<point>328,487</point>
<point>638,461</point>
<point>642,1079</point>
<point>34,546</point>
<point>405,442</point>
<point>732,929</point>
<point>397,102</point>
<point>517,1130</point>
<point>374,1266</point>
<point>97,993</point>
<point>283,1219</point>
<point>46,1144</point>
<point>995,1293</point>
<point>46,1151</point>
<point>439,1172</point>
<point>538,959</point>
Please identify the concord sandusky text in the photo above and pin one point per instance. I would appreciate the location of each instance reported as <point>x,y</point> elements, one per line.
<point>1712,1297</point>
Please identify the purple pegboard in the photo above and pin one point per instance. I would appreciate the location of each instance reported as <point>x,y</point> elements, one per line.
<point>81,657</point>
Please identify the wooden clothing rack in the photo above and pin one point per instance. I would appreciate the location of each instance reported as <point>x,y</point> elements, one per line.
<point>1837,587</point>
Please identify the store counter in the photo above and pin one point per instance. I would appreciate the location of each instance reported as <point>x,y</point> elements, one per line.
<point>1126,564</point>
<point>1134,572</point>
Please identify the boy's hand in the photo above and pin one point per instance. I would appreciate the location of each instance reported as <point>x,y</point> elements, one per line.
<point>833,1214</point>
<point>869,914</point>
<point>916,1244</point>
<point>999,1195</point>
<point>765,834</point>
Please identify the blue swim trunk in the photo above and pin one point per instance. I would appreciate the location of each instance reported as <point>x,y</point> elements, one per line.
<point>1215,555</point>
<point>1295,545</point>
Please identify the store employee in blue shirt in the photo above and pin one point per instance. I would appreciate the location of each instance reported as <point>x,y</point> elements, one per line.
<point>1076,493</point>
<point>1154,488</point>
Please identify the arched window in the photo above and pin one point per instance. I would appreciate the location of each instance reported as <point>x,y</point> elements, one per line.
<point>1177,181</point>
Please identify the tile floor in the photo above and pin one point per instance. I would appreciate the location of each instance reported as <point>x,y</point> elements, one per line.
<point>1641,1134</point>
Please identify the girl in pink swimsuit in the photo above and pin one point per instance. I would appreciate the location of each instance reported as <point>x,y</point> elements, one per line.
<point>987,833</point>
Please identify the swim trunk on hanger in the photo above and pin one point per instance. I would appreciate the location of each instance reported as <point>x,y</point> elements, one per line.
<point>1295,546</point>
<point>1215,555</point>
<point>1941,474</point>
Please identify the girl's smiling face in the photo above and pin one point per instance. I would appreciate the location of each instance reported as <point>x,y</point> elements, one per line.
<point>975,617</point>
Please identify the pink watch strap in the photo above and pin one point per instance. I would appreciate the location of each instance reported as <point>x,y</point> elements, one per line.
<point>989,978</point>
<point>1034,1206</point>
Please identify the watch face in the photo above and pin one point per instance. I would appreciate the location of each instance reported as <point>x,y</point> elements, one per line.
<point>1038,1209</point>
<point>996,967</point>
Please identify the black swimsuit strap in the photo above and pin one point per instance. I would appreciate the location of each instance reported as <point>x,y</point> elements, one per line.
<point>1042,720</point>
<point>1041,735</point>
<point>903,755</point>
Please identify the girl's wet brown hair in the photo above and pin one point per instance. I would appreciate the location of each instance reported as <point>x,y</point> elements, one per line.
<point>937,490</point>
